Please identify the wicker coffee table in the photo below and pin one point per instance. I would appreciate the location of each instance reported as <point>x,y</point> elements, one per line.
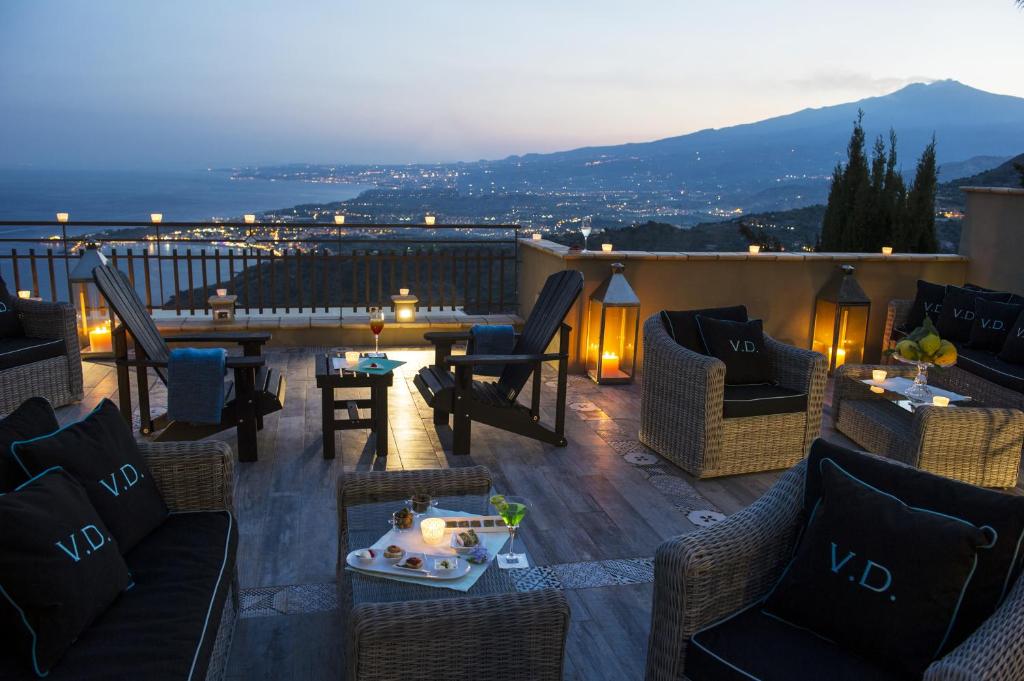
<point>328,379</point>
<point>397,630</point>
<point>969,442</point>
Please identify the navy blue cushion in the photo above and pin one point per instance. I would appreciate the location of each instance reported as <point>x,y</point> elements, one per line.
<point>958,311</point>
<point>762,400</point>
<point>988,366</point>
<point>754,645</point>
<point>928,301</point>
<point>16,352</point>
<point>34,417</point>
<point>998,567</point>
<point>682,325</point>
<point>164,628</point>
<point>10,323</point>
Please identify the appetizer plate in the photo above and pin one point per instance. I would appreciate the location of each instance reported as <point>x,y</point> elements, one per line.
<point>381,566</point>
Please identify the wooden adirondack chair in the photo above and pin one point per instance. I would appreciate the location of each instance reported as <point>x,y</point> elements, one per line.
<point>494,403</point>
<point>255,391</point>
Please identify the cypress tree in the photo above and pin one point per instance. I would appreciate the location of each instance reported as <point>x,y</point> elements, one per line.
<point>919,220</point>
<point>878,218</point>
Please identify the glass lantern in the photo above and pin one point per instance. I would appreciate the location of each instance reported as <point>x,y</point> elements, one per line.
<point>613,325</point>
<point>93,317</point>
<point>841,320</point>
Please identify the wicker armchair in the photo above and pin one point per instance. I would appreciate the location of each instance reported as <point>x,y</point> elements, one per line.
<point>200,476</point>
<point>58,379</point>
<point>681,414</point>
<point>978,445</point>
<point>702,577</point>
<point>535,653</point>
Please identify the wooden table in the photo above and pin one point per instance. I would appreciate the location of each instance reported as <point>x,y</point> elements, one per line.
<point>328,378</point>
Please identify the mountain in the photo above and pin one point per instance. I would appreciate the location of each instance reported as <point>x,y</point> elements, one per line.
<point>807,144</point>
<point>948,194</point>
<point>972,166</point>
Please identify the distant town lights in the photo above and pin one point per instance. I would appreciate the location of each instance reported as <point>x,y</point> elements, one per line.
<point>250,218</point>
<point>339,219</point>
<point>429,219</point>
<point>156,218</point>
<point>62,217</point>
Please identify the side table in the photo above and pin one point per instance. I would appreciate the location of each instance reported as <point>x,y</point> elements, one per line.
<point>329,378</point>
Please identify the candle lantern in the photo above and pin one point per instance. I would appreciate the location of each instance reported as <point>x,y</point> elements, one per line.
<point>339,219</point>
<point>91,308</point>
<point>613,325</point>
<point>405,306</point>
<point>432,530</point>
<point>841,320</point>
<point>429,219</point>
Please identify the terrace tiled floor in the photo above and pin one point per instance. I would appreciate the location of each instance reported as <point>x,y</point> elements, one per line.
<point>602,506</point>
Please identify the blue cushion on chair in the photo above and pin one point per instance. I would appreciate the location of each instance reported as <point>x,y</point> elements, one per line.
<point>763,399</point>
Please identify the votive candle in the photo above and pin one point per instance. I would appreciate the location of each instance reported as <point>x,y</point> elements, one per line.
<point>429,219</point>
<point>156,217</point>
<point>537,236</point>
<point>607,248</point>
<point>432,530</point>
<point>24,295</point>
<point>940,400</point>
<point>886,250</point>
<point>753,249</point>
<point>250,218</point>
<point>339,219</point>
<point>878,375</point>
<point>352,358</point>
<point>222,292</point>
<point>62,217</point>
<point>403,291</point>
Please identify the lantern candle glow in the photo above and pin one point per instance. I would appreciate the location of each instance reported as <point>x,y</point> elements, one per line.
<point>99,339</point>
<point>841,320</point>
<point>613,325</point>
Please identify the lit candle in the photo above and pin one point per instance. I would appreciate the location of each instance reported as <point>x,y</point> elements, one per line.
<point>62,217</point>
<point>403,291</point>
<point>753,249</point>
<point>429,219</point>
<point>609,363</point>
<point>249,218</point>
<point>339,219</point>
<point>607,248</point>
<point>940,400</point>
<point>24,295</point>
<point>878,375</point>
<point>352,358</point>
<point>157,218</point>
<point>99,339</point>
<point>886,250</point>
<point>222,292</point>
<point>432,530</point>
<point>537,236</point>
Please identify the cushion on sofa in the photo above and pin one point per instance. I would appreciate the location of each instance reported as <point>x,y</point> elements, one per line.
<point>876,575</point>
<point>16,352</point>
<point>682,325</point>
<point>10,323</point>
<point>740,345</point>
<point>1013,347</point>
<point>60,568</point>
<point>163,628</point>
<point>762,400</point>
<point>990,367</point>
<point>958,313</point>
<point>100,452</point>
<point>998,567</point>
<point>928,301</point>
<point>992,324</point>
<point>754,645</point>
<point>34,417</point>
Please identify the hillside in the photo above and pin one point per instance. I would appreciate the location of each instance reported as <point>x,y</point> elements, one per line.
<point>949,196</point>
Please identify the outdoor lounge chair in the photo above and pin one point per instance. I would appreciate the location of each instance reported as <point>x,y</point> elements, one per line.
<point>256,390</point>
<point>495,403</point>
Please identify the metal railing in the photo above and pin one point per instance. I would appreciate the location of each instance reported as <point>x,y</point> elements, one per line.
<point>275,267</point>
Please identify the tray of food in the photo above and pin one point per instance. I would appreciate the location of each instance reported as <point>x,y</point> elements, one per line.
<point>393,560</point>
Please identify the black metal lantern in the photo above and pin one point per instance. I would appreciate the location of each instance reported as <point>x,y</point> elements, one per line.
<point>841,320</point>
<point>94,332</point>
<point>613,324</point>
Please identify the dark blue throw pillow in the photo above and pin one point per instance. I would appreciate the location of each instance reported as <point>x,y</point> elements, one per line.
<point>100,452</point>
<point>877,576</point>
<point>740,345</point>
<point>60,567</point>
<point>33,418</point>
<point>682,325</point>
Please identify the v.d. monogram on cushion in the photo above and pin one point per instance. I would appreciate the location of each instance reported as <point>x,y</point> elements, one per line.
<point>740,345</point>
<point>992,324</point>
<point>959,310</point>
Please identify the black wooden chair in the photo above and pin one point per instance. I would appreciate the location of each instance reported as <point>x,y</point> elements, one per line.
<point>494,403</point>
<point>256,390</point>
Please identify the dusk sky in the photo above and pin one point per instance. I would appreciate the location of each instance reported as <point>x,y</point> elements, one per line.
<point>187,84</point>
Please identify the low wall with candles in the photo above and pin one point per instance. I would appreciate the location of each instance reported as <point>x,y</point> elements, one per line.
<point>779,288</point>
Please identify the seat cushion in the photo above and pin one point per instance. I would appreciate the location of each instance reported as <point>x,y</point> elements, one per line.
<point>16,352</point>
<point>998,567</point>
<point>762,400</point>
<point>34,417</point>
<point>682,325</point>
<point>752,645</point>
<point>988,366</point>
<point>163,628</point>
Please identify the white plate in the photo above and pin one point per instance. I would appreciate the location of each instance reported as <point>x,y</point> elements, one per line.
<point>382,566</point>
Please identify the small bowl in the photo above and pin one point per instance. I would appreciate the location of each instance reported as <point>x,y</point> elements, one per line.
<point>365,556</point>
<point>457,546</point>
<point>446,564</point>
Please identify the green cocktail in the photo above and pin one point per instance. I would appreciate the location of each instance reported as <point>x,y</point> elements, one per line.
<point>512,510</point>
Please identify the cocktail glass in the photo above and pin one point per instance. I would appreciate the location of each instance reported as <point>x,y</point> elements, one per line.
<point>512,510</point>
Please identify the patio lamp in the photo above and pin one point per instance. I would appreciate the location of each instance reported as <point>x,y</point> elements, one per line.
<point>405,305</point>
<point>93,318</point>
<point>613,325</point>
<point>841,317</point>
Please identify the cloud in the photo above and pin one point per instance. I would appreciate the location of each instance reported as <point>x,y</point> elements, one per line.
<point>853,81</point>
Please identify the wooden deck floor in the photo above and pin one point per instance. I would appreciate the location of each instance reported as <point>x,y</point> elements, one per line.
<point>592,505</point>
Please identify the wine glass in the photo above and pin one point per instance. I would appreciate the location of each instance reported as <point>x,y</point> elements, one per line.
<point>512,510</point>
<point>376,326</point>
<point>585,229</point>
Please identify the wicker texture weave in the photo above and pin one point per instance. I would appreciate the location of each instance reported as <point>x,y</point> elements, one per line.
<point>517,636</point>
<point>58,379</point>
<point>682,400</point>
<point>703,577</point>
<point>978,445</point>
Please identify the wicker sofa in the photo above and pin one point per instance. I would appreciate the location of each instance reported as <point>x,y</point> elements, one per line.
<point>45,361</point>
<point>134,640</point>
<point>682,413</point>
<point>705,577</point>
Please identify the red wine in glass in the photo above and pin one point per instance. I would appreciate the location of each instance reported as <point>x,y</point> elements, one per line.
<point>376,326</point>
